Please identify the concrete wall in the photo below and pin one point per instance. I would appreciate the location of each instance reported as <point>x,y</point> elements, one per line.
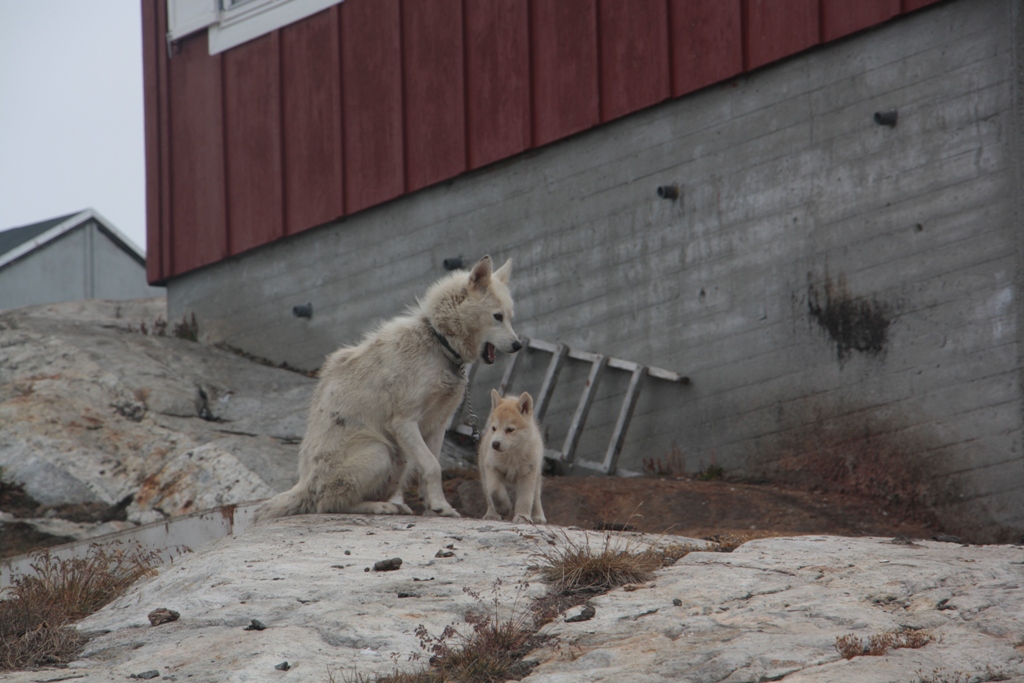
<point>845,296</point>
<point>83,263</point>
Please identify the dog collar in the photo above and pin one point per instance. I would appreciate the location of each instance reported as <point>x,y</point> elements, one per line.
<point>456,358</point>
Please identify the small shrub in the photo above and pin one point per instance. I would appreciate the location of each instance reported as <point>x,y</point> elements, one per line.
<point>36,609</point>
<point>491,653</point>
<point>674,462</point>
<point>578,568</point>
<point>711,473</point>
<point>187,329</point>
<point>850,646</point>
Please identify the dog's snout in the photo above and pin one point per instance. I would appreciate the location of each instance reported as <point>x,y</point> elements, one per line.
<point>516,346</point>
<point>496,445</point>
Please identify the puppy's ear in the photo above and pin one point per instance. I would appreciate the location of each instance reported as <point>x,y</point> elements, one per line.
<point>495,398</point>
<point>480,276</point>
<point>525,404</point>
<point>504,272</point>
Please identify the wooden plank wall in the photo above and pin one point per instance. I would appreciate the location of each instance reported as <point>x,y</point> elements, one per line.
<point>372,99</point>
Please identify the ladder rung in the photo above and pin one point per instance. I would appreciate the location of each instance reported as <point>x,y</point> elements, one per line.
<point>611,458</point>
<point>550,377</point>
<point>586,399</point>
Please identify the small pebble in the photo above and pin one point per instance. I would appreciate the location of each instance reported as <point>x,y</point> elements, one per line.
<point>256,625</point>
<point>162,615</point>
<point>586,614</point>
<point>283,666</point>
<point>387,565</point>
<point>146,675</point>
<point>677,602</point>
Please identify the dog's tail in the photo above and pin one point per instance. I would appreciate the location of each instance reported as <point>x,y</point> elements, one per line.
<point>291,502</point>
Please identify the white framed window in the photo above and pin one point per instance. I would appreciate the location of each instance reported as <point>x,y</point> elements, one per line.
<point>232,22</point>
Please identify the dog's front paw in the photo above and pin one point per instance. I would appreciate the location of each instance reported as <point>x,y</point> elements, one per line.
<point>492,516</point>
<point>522,519</point>
<point>441,511</point>
<point>540,520</point>
<point>384,508</point>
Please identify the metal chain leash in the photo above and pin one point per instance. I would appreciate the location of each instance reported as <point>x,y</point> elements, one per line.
<point>472,420</point>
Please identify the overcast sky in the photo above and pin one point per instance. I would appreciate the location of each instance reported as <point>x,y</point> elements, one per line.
<point>71,132</point>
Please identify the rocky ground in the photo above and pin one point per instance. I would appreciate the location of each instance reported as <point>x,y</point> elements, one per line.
<point>797,609</point>
<point>114,417</point>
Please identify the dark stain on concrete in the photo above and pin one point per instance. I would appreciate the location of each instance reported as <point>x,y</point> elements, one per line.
<point>853,323</point>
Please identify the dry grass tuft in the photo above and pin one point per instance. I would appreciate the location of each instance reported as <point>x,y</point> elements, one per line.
<point>492,652</point>
<point>850,646</point>
<point>573,567</point>
<point>36,609</point>
<point>497,647</point>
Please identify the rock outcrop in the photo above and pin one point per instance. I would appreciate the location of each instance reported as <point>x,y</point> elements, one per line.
<point>771,610</point>
<point>101,403</point>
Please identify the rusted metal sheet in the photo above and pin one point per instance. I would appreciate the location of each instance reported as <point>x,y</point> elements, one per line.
<point>634,55</point>
<point>565,74</point>
<point>252,117</point>
<point>312,122</point>
<point>707,43</point>
<point>198,230</point>
<point>778,28</point>
<point>841,17</point>
<point>434,78</point>
<point>371,76</point>
<point>498,118</point>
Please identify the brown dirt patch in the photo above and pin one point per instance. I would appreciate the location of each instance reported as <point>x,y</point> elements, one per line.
<point>703,509</point>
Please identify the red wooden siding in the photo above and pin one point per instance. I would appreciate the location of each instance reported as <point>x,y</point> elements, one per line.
<point>565,74</point>
<point>435,108</point>
<point>706,43</point>
<point>252,126</point>
<point>497,46</point>
<point>634,55</point>
<point>777,29</point>
<point>911,5</point>
<point>156,262</point>
<point>371,99</point>
<point>311,122</point>
<point>842,17</point>
<point>371,73</point>
<point>197,196</point>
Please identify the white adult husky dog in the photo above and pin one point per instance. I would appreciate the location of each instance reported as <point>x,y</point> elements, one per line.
<point>379,411</point>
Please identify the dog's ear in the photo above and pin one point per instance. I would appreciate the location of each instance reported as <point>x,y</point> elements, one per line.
<point>525,404</point>
<point>495,398</point>
<point>503,273</point>
<point>480,276</point>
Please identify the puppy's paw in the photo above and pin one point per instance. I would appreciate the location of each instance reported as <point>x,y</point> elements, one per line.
<point>441,511</point>
<point>493,516</point>
<point>541,519</point>
<point>522,519</point>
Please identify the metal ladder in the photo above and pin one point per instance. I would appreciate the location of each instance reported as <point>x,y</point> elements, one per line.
<point>598,364</point>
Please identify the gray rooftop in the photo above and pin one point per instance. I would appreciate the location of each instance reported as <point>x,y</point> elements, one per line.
<point>14,237</point>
